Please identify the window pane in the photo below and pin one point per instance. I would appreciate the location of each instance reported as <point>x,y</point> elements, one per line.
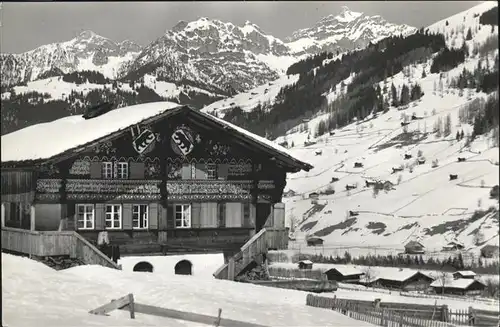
<point>80,224</point>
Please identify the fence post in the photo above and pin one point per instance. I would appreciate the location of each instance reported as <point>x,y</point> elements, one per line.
<point>401,320</point>
<point>471,317</point>
<point>444,313</point>
<point>382,317</point>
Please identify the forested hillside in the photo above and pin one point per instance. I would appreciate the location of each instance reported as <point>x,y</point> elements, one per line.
<point>32,107</point>
<point>320,75</point>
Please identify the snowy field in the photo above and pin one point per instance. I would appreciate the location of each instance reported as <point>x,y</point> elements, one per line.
<point>36,295</point>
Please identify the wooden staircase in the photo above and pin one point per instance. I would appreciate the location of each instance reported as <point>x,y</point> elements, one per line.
<point>253,250</point>
<point>54,243</point>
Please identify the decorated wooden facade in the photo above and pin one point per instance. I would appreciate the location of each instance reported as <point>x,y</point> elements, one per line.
<point>180,179</point>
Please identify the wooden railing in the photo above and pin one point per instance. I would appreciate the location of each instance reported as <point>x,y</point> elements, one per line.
<point>54,243</point>
<point>259,244</point>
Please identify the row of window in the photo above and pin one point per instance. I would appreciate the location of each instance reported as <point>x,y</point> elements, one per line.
<point>115,170</point>
<point>113,216</point>
<point>120,170</point>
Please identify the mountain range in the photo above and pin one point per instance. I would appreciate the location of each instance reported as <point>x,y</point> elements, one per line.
<point>207,52</point>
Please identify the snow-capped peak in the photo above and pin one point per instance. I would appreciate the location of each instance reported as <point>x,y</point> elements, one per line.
<point>87,34</point>
<point>345,31</point>
<point>347,15</point>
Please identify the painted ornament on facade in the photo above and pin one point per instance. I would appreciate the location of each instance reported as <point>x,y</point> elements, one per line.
<point>143,141</point>
<point>183,141</point>
<point>80,167</point>
<point>105,148</point>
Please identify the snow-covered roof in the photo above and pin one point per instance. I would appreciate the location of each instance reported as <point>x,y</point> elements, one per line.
<point>306,262</point>
<point>260,139</point>
<point>44,141</point>
<point>466,273</point>
<point>461,283</point>
<point>347,271</point>
<point>400,275</point>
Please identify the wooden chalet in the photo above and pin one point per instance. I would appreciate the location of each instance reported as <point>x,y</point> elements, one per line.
<point>305,264</point>
<point>404,280</point>
<point>465,274</point>
<point>157,177</point>
<point>344,274</point>
<point>314,241</point>
<point>414,247</point>
<point>458,287</point>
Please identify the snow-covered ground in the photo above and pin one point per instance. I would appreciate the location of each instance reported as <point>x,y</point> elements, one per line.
<point>36,295</point>
<point>247,101</point>
<point>424,204</point>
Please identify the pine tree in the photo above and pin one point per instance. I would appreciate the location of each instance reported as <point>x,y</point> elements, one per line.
<point>424,75</point>
<point>469,35</point>
<point>405,95</point>
<point>458,136</point>
<point>447,125</point>
<point>394,96</point>
<point>462,134</point>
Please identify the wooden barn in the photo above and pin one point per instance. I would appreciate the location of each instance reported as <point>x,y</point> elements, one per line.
<point>157,177</point>
<point>458,287</point>
<point>404,280</point>
<point>453,246</point>
<point>314,241</point>
<point>414,247</point>
<point>344,274</point>
<point>305,264</point>
<point>465,274</point>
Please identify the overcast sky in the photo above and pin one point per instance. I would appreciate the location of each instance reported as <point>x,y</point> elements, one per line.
<point>25,26</point>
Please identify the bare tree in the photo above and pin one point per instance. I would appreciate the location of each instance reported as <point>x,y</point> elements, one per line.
<point>482,183</point>
<point>442,279</point>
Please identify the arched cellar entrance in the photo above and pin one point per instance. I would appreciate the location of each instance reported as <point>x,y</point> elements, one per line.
<point>183,267</point>
<point>143,266</point>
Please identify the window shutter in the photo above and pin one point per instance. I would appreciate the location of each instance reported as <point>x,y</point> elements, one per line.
<point>221,210</point>
<point>162,217</point>
<point>153,215</point>
<point>95,170</point>
<point>127,216</point>
<point>186,171</point>
<point>170,216</point>
<point>222,171</point>
<point>196,215</point>
<point>201,171</point>
<point>99,216</point>
<point>253,214</point>
<point>137,170</point>
<point>233,214</point>
<point>245,213</point>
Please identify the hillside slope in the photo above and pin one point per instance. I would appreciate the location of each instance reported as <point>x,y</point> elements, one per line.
<point>423,203</point>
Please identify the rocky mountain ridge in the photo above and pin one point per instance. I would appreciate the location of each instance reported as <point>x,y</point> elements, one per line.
<point>204,51</point>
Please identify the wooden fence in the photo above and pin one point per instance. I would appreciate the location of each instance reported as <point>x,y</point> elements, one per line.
<point>373,313</point>
<point>405,314</point>
<point>54,243</point>
<point>128,303</point>
<point>296,273</point>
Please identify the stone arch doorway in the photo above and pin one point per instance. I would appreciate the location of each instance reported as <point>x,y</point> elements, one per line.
<point>183,267</point>
<point>143,266</point>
